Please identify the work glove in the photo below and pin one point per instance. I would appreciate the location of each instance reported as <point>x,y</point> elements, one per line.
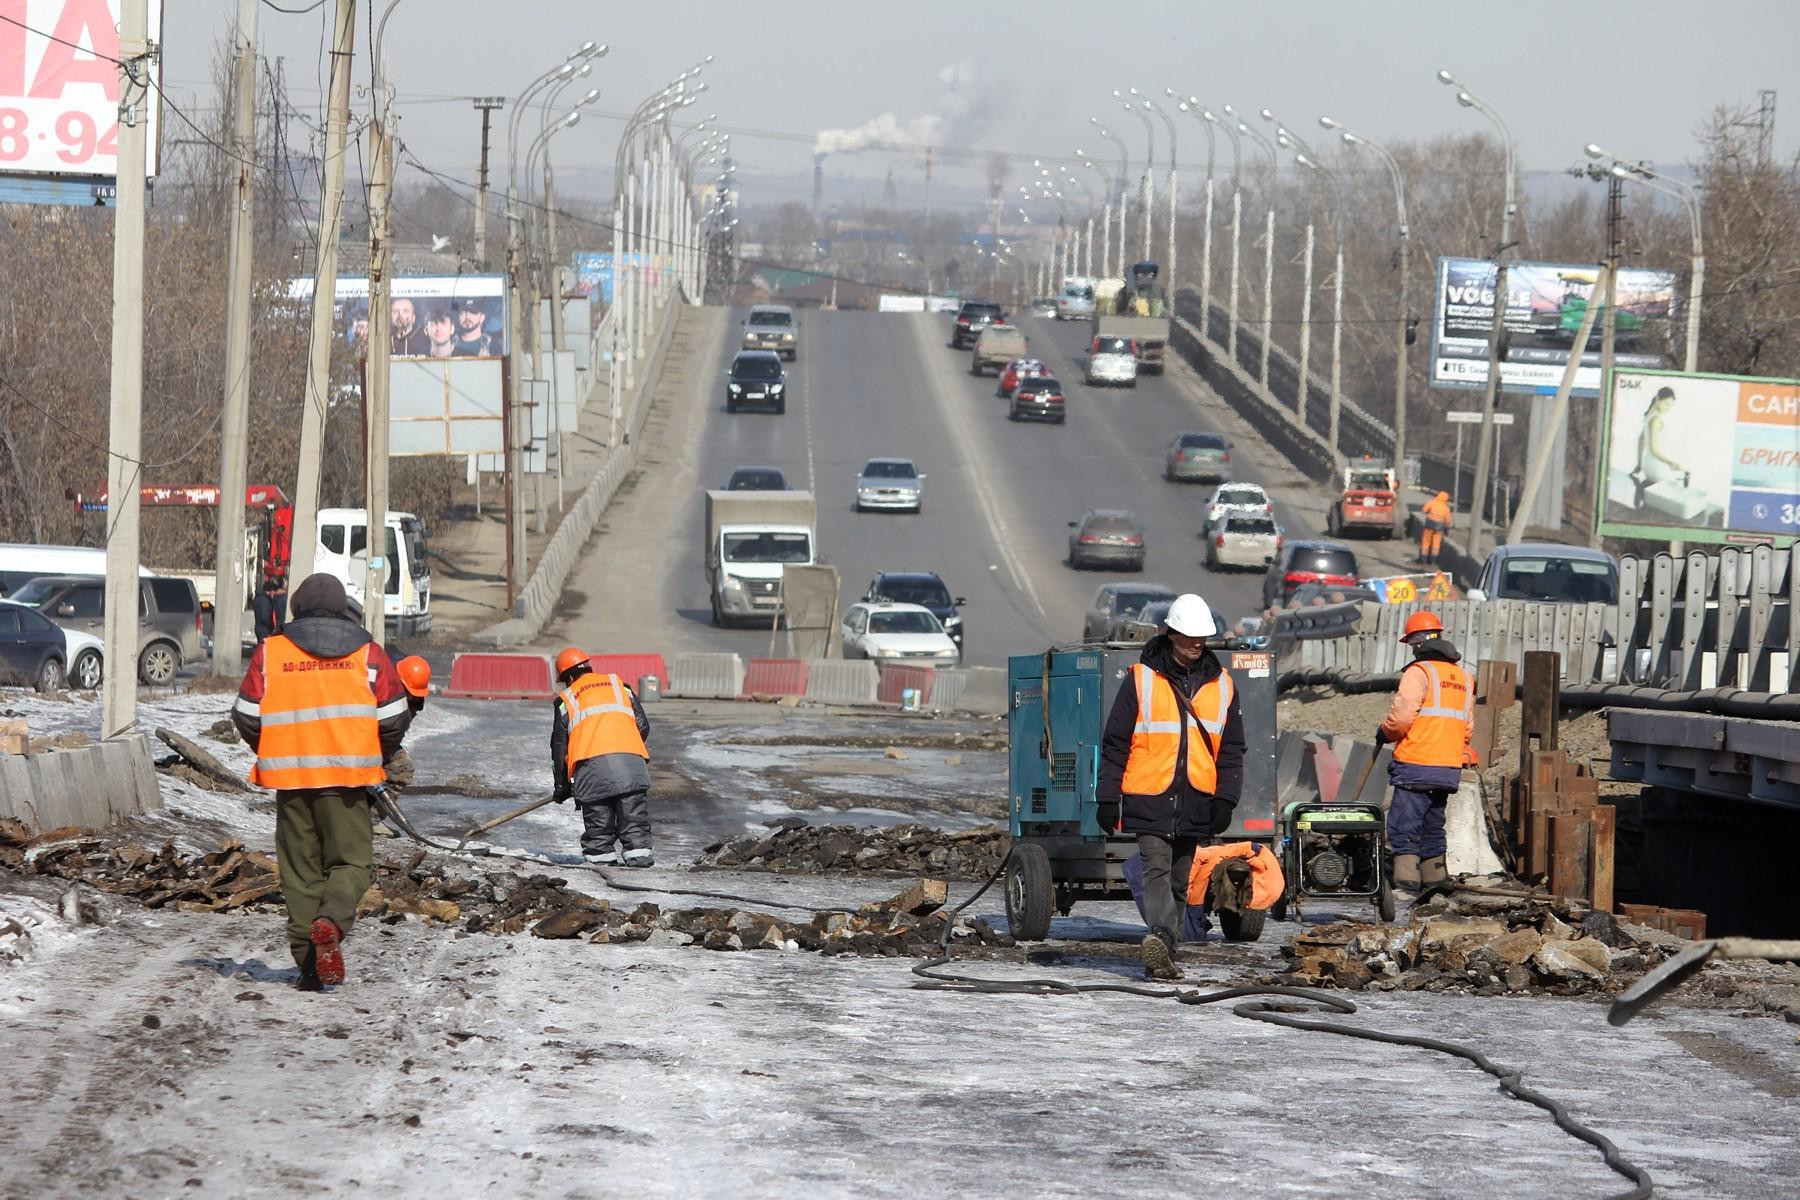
<point>1108,816</point>
<point>1222,811</point>
<point>1381,737</point>
<point>564,790</point>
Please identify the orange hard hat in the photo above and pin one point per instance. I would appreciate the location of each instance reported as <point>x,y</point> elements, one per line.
<point>415,673</point>
<point>570,658</point>
<point>1422,622</point>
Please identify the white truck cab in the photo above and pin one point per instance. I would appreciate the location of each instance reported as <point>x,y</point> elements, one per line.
<point>343,547</point>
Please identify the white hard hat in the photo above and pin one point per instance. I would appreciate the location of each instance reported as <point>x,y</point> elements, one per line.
<point>1192,616</point>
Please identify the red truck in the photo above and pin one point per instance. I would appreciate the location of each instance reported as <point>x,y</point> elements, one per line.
<point>1366,503</point>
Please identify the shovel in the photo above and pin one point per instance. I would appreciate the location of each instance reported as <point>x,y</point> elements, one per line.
<point>501,820</point>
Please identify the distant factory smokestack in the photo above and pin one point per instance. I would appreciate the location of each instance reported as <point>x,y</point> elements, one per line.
<point>818,181</point>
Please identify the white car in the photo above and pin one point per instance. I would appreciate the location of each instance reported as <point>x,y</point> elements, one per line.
<point>1238,498</point>
<point>1112,360</point>
<point>897,633</point>
<point>890,483</point>
<point>86,659</point>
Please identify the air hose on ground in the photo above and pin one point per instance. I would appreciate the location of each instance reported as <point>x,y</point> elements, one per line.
<point>1270,1011</point>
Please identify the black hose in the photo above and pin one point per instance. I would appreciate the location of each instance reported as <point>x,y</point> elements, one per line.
<point>1725,702</point>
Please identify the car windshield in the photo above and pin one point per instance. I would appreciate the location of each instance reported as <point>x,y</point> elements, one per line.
<point>889,470</point>
<point>929,593</point>
<point>1079,293</point>
<point>1202,441</point>
<point>904,622</point>
<point>756,368</point>
<point>1039,383</point>
<point>1241,496</point>
<point>1368,479</point>
<point>35,593</point>
<point>1325,562</point>
<point>1111,525</point>
<point>1155,614</point>
<point>768,548</point>
<point>1026,364</point>
<point>1112,345</point>
<point>762,317</point>
<point>1250,525</point>
<point>981,310</point>
<point>1567,580</point>
<point>756,481</point>
<point>1130,600</point>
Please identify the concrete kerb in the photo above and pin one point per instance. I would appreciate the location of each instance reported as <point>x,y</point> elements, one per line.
<point>88,786</point>
<point>537,599</point>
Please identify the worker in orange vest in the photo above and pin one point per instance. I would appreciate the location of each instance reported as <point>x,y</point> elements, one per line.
<point>323,708</point>
<point>1435,519</point>
<point>1172,766</point>
<point>1429,725</point>
<point>415,677</point>
<point>599,756</point>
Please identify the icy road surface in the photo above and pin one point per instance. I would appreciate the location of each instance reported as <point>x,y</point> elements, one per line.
<point>166,1053</point>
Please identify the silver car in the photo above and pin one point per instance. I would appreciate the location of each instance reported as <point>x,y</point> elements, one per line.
<point>1112,360</point>
<point>890,483</point>
<point>772,327</point>
<point>1116,602</point>
<point>1246,540</point>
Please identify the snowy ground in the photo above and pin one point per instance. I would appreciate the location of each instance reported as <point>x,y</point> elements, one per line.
<point>163,1053</point>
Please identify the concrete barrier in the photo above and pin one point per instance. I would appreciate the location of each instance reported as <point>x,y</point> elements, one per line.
<point>500,677</point>
<point>706,676</point>
<point>631,667</point>
<point>896,679</point>
<point>89,786</point>
<point>970,689</point>
<point>775,677</point>
<point>842,681</point>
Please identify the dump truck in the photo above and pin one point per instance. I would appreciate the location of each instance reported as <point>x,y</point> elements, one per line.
<point>1137,310</point>
<point>1365,504</point>
<point>751,537</point>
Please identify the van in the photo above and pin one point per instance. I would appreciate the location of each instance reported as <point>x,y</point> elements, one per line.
<point>342,550</point>
<point>169,617</point>
<point>21,563</point>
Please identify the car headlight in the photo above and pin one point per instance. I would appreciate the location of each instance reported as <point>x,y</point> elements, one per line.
<point>776,387</point>
<point>787,337</point>
<point>952,622</point>
<point>734,387</point>
<point>733,584</point>
<point>886,652</point>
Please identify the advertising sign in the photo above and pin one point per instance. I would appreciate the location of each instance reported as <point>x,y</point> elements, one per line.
<point>59,88</point>
<point>594,271</point>
<point>434,316</point>
<point>1710,458</point>
<point>1544,306</point>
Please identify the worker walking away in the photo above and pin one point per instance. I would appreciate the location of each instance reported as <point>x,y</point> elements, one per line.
<point>269,608</point>
<point>600,756</point>
<point>1172,766</point>
<point>323,707</point>
<point>1435,519</point>
<point>1429,725</point>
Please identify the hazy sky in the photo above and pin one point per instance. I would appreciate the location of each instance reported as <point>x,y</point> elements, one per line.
<point>1024,77</point>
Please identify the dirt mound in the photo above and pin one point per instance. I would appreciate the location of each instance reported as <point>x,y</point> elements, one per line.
<point>794,845</point>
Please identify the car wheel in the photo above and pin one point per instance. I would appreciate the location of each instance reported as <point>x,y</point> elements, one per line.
<point>781,408</point>
<point>89,670</point>
<point>49,676</point>
<point>1062,420</point>
<point>730,407</point>
<point>1012,414</point>
<point>158,663</point>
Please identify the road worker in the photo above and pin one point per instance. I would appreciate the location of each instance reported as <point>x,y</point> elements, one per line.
<point>599,756</point>
<point>1172,766</point>
<point>1435,519</point>
<point>323,707</point>
<point>415,677</point>
<point>1429,725</point>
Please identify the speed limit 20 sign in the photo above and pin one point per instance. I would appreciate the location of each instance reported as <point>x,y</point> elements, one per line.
<point>59,87</point>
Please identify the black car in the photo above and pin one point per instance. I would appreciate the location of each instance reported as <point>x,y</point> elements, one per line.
<point>1330,563</point>
<point>33,651</point>
<point>923,588</point>
<point>756,377</point>
<point>972,318</point>
<point>757,479</point>
<point>1038,398</point>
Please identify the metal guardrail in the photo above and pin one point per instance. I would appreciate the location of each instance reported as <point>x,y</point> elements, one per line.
<point>1480,629</point>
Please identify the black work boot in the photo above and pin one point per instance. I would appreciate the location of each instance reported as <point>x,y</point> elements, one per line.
<point>1158,950</point>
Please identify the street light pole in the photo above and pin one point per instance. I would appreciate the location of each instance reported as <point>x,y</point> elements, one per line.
<point>1148,189</point>
<point>1268,317</point>
<point>1643,173</point>
<point>1337,300</point>
<point>1124,174</point>
<point>1192,106</point>
<point>1174,188</point>
<point>1237,224</point>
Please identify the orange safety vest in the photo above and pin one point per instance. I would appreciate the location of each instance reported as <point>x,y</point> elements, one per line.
<point>1266,880</point>
<point>601,720</point>
<point>1156,737</point>
<point>1438,511</point>
<point>320,727</point>
<point>1440,732</point>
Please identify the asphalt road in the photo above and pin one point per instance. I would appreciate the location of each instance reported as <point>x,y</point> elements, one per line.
<point>998,495</point>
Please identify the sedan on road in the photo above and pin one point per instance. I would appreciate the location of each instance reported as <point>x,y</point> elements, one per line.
<point>897,633</point>
<point>1045,307</point>
<point>1038,398</point>
<point>33,651</point>
<point>1107,537</point>
<point>1112,360</point>
<point>1147,622</point>
<point>890,483</point>
<point>1237,497</point>
<point>1115,602</point>
<point>923,588</point>
<point>1330,563</point>
<point>1243,539</point>
<point>757,479</point>
<point>1017,369</point>
<point>756,377</point>
<point>1193,455</point>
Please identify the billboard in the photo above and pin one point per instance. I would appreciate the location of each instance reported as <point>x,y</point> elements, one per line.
<point>594,271</point>
<point>59,89</point>
<point>1544,306</point>
<point>434,316</point>
<point>1701,458</point>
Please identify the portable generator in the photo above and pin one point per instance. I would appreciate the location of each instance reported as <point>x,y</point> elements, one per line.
<point>1335,852</point>
<point>1057,706</point>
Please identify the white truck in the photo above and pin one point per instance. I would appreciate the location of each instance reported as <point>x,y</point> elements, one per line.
<point>751,537</point>
<point>343,550</point>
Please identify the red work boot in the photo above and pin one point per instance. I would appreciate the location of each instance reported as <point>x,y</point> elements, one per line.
<point>328,957</point>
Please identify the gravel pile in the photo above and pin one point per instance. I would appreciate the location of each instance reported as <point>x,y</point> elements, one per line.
<point>794,845</point>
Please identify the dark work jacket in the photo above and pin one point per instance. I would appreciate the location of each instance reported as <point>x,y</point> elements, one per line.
<point>605,777</point>
<point>1184,810</point>
<point>267,608</point>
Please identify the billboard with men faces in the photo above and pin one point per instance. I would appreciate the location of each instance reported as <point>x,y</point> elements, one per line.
<point>433,316</point>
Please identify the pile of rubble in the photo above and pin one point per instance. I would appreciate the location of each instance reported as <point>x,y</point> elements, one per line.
<point>1489,944</point>
<point>234,879</point>
<point>793,845</point>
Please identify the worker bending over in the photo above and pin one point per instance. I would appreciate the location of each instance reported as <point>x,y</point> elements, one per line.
<point>323,708</point>
<point>1429,724</point>
<point>1172,765</point>
<point>1435,519</point>
<point>599,756</point>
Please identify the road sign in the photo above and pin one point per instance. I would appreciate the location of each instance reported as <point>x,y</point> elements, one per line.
<point>1462,417</point>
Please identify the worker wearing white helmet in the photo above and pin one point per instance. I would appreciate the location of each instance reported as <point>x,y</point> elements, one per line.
<point>1172,765</point>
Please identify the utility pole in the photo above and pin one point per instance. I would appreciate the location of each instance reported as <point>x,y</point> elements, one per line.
<point>1337,349</point>
<point>234,447</point>
<point>487,105</point>
<point>124,434</point>
<point>375,385</point>
<point>1306,299</point>
<point>1400,377</point>
<point>1268,316</point>
<point>1615,195</point>
<point>1206,261</point>
<point>318,364</point>
<point>925,238</point>
<point>1484,446</point>
<point>1237,226</point>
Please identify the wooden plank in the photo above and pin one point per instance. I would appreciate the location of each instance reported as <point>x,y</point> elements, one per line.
<point>1568,831</point>
<point>1537,844</point>
<point>1603,823</point>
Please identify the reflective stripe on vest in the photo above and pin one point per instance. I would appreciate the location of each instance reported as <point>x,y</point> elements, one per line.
<point>320,723</point>
<point>1441,729</point>
<point>1156,735</point>
<point>601,720</point>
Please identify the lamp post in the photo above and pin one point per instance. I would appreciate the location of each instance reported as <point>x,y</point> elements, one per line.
<point>1485,444</point>
<point>1147,189</point>
<point>1352,138</point>
<point>1643,173</point>
<point>546,283</point>
<point>1237,224</point>
<point>1289,140</point>
<point>1085,256</point>
<point>1337,301</point>
<point>1191,106</point>
<point>1174,189</point>
<point>1124,174</point>
<point>1268,317</point>
<point>1105,212</point>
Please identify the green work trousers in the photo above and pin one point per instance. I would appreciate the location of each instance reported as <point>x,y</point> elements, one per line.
<point>325,845</point>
